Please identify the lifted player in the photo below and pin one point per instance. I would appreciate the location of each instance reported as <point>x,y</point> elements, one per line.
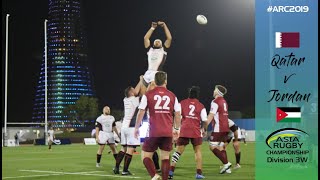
<point>156,55</point>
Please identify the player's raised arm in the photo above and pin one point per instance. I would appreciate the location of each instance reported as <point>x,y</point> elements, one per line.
<point>148,34</point>
<point>138,86</point>
<point>167,43</point>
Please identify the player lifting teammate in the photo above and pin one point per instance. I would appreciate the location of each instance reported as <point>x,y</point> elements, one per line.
<point>162,104</point>
<point>156,55</point>
<point>105,125</point>
<point>219,112</point>
<point>193,112</point>
<point>128,141</point>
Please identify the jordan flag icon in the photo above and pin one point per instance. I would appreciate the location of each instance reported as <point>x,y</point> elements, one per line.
<point>288,114</point>
<point>287,39</point>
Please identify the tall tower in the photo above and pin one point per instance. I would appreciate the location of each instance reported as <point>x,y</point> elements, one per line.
<point>68,73</point>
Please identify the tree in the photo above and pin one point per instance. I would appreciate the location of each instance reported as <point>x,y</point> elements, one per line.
<point>117,114</point>
<point>85,108</point>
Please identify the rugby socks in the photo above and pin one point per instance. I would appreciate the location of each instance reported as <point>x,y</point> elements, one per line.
<point>99,158</point>
<point>175,157</point>
<point>199,171</point>
<point>220,155</point>
<point>49,146</point>
<point>172,168</point>
<point>119,158</point>
<point>238,157</point>
<point>127,161</point>
<point>149,166</point>
<point>155,159</point>
<point>115,156</point>
<point>165,167</point>
<point>224,156</point>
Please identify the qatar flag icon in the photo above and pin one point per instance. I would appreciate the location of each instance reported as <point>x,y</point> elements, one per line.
<point>287,39</point>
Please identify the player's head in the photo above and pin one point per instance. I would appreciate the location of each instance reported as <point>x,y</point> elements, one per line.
<point>219,90</point>
<point>129,91</point>
<point>160,78</point>
<point>157,43</point>
<point>194,92</point>
<point>106,110</point>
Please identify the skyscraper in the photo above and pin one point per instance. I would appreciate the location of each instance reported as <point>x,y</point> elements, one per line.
<point>68,73</point>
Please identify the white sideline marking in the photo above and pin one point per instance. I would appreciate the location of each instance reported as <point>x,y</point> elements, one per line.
<point>31,176</point>
<point>37,159</point>
<point>80,173</point>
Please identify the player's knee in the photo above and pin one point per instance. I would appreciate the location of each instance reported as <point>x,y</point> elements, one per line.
<point>218,145</point>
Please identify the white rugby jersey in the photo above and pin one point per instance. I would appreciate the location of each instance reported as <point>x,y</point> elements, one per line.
<point>130,111</point>
<point>106,122</point>
<point>51,133</point>
<point>155,58</point>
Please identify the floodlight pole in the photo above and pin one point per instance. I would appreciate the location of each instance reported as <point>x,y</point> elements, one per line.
<point>45,84</point>
<point>6,85</point>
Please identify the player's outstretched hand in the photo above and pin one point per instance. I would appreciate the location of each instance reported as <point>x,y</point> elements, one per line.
<point>141,78</point>
<point>154,24</point>
<point>161,23</point>
<point>136,133</point>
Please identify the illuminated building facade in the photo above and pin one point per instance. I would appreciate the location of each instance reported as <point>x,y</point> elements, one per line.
<point>68,73</point>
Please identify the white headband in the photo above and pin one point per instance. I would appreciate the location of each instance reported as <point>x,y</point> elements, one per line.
<point>219,92</point>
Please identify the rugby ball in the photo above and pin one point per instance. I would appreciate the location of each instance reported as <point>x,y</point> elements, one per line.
<point>201,19</point>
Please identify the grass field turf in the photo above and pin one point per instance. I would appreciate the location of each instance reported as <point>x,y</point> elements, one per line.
<point>77,161</point>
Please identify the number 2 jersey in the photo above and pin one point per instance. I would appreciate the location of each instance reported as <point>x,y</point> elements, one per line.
<point>161,103</point>
<point>192,112</point>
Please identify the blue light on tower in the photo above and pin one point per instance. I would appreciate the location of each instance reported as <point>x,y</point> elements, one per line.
<point>68,73</point>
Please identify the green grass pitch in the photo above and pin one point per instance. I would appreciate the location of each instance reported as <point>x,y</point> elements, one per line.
<point>78,162</point>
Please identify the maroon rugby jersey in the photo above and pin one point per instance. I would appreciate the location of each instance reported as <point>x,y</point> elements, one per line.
<point>219,108</point>
<point>192,112</point>
<point>161,103</point>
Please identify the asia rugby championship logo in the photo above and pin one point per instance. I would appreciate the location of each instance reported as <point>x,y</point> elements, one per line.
<point>287,145</point>
<point>285,137</point>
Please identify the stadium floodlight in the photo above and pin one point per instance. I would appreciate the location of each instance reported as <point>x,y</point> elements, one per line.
<point>6,84</point>
<point>45,83</point>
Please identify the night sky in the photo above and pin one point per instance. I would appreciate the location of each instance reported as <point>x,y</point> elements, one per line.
<point>221,52</point>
